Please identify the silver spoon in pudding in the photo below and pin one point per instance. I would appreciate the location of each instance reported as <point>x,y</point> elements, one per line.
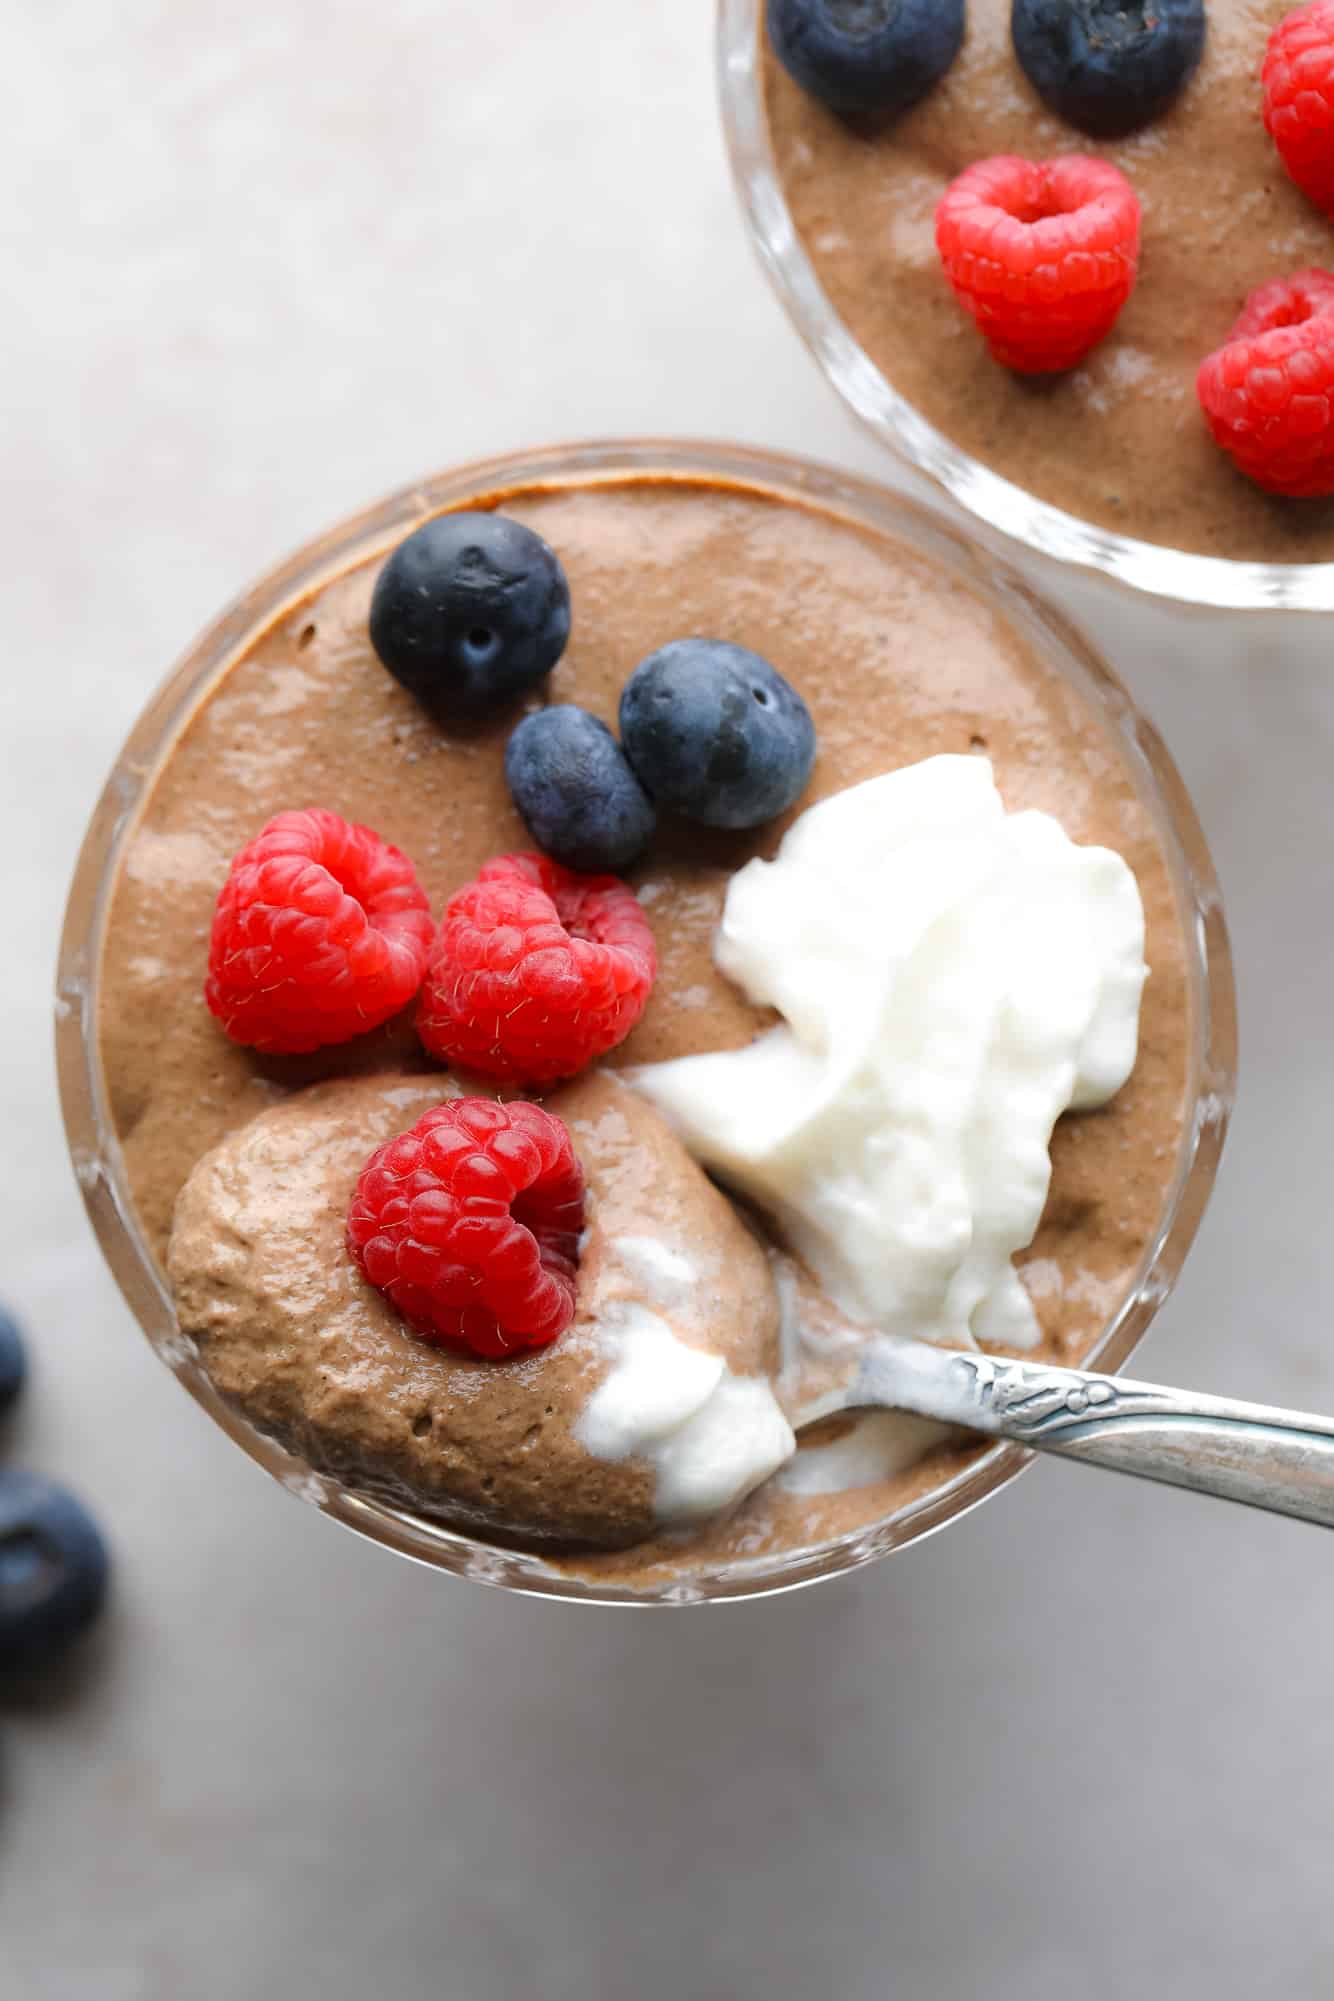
<point>1278,1460</point>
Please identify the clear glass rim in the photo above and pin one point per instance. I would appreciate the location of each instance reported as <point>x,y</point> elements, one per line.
<point>96,1156</point>
<point>1216,582</point>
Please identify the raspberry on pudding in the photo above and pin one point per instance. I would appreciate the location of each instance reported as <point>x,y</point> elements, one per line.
<point>964,883</point>
<point>535,971</point>
<point>321,933</point>
<point>469,1224</point>
<point>1042,255</point>
<point>1118,440</point>
<point>1268,392</point>
<point>1298,83</point>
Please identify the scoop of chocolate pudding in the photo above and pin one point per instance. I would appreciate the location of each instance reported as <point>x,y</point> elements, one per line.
<point>652,1408</point>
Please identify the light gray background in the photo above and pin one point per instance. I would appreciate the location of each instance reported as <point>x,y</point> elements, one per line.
<point>270,262</point>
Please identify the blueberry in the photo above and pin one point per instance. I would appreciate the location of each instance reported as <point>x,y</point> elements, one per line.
<point>876,56</point>
<point>716,734</point>
<point>582,802</point>
<point>13,1361</point>
<point>53,1571</point>
<point>1107,66</point>
<point>469,612</point>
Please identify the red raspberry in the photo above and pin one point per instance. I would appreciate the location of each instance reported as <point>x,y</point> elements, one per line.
<point>1297,80</point>
<point>470,1225</point>
<point>535,971</point>
<point>1042,253</point>
<point>321,931</point>
<point>1268,392</point>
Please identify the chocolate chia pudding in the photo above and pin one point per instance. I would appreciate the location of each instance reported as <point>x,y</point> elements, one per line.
<point>897,664</point>
<point>1120,441</point>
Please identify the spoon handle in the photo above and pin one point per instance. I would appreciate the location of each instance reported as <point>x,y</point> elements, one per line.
<point>1281,1460</point>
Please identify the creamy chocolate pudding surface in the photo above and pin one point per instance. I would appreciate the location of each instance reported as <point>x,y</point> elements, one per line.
<point>1120,441</point>
<point>897,663</point>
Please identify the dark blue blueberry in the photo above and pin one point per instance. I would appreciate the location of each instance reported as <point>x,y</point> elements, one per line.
<point>866,56</point>
<point>716,734</point>
<point>470,612</point>
<point>13,1361</point>
<point>570,780</point>
<point>1107,66</point>
<point>53,1572</point>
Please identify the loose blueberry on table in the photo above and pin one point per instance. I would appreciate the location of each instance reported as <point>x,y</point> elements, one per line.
<point>53,1561</point>
<point>53,1572</point>
<point>13,1360</point>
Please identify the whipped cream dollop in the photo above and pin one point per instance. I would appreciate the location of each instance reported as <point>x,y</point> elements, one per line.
<point>711,1436</point>
<point>711,1433</point>
<point>951,978</point>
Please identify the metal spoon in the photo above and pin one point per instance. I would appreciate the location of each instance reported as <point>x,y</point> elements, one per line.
<point>1281,1460</point>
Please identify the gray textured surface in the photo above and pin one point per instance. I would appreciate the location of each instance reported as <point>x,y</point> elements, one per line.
<point>1082,1743</point>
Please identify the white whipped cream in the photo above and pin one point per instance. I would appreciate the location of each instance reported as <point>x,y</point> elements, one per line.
<point>951,979</point>
<point>710,1436</point>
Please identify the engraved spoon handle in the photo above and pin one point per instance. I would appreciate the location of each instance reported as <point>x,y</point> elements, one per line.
<point>1281,1460</point>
